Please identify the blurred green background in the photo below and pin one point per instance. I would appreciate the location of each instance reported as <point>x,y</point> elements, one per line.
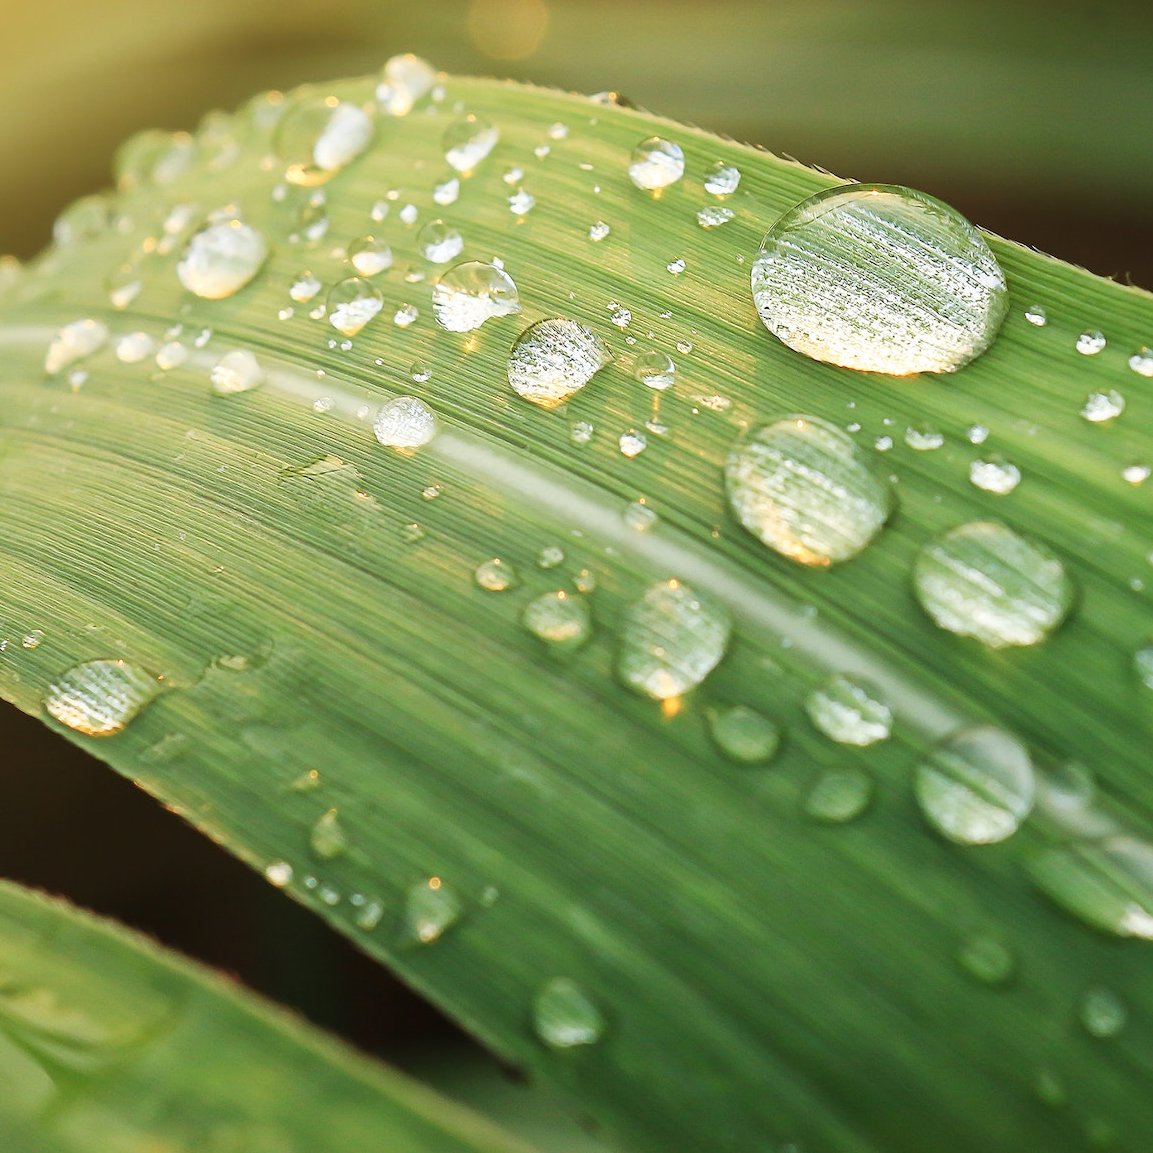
<point>1034,119</point>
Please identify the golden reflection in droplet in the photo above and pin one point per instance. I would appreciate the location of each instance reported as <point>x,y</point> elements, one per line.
<point>671,706</point>
<point>507,29</point>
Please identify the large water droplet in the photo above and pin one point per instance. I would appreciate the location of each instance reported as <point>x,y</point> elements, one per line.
<point>805,488</point>
<point>320,135</point>
<point>440,242</point>
<point>838,796</point>
<point>655,369</point>
<point>221,259</point>
<point>100,698</point>
<point>983,580</point>
<point>236,371</point>
<point>369,255</point>
<point>879,278</point>
<point>1107,884</point>
<point>468,141</point>
<point>471,293</point>
<point>553,359</point>
<point>563,1016</point>
<point>431,908</point>
<point>743,734</point>
<point>403,81</point>
<point>560,619</point>
<point>849,712</point>
<point>352,303</point>
<point>74,342</point>
<point>1102,406</point>
<point>327,836</point>
<point>656,163</point>
<point>495,575</point>
<point>671,639</point>
<point>722,179</point>
<point>977,786</point>
<point>404,422</point>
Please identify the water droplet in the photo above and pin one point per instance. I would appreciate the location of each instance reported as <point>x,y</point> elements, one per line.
<point>521,203</point>
<point>722,179</point>
<point>1136,473</point>
<point>171,354</point>
<point>1141,362</point>
<point>312,219</point>
<point>639,517</point>
<point>672,638</point>
<point>1107,884</point>
<point>995,475</point>
<point>714,215</point>
<point>1036,316</point>
<point>983,580</point>
<point>74,342</point>
<point>134,347</point>
<point>327,837</point>
<point>236,371</point>
<point>431,908</point>
<point>468,141</point>
<point>987,960</point>
<point>153,157</point>
<point>581,432</point>
<point>848,712</point>
<point>278,873</point>
<point>470,293</point>
<point>977,786</point>
<point>1103,1013</point>
<point>320,135</point>
<point>369,256</point>
<point>403,81</point>
<point>100,698</point>
<point>879,278</point>
<point>1101,406</point>
<point>560,619</point>
<point>620,316</point>
<point>221,259</point>
<point>440,242</point>
<point>976,434</point>
<point>922,438</point>
<point>1143,663</point>
<point>838,796</point>
<point>352,303</point>
<point>304,287</point>
<point>404,422</point>
<point>368,915</point>
<point>563,1016</point>
<point>1090,342</point>
<point>405,316</point>
<point>655,369</point>
<point>805,488</point>
<point>676,267</point>
<point>553,359</point>
<point>656,163</point>
<point>33,639</point>
<point>632,443</point>
<point>743,734</point>
<point>446,191</point>
<point>598,231</point>
<point>123,285</point>
<point>495,575</point>
<point>550,557</point>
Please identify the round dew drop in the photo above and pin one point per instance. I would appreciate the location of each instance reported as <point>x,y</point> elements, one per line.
<point>74,342</point>
<point>879,278</point>
<point>431,908</point>
<point>976,787</point>
<point>404,422</point>
<point>1103,1013</point>
<point>838,796</point>
<point>805,488</point>
<point>468,141</point>
<point>439,243</point>
<point>327,837</point>
<point>369,256</point>
<point>99,698</point>
<point>495,575</point>
<point>352,303</point>
<point>722,179</point>
<point>553,359</point>
<point>986,959</point>
<point>656,163</point>
<point>221,259</point>
<point>236,371</point>
<point>468,294</point>
<point>849,713</point>
<point>318,136</point>
<point>561,619</point>
<point>564,1017</point>
<point>403,81</point>
<point>982,580</point>
<point>671,639</point>
<point>744,735</point>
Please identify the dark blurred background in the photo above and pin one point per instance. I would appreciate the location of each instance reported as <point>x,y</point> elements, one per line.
<point>1033,119</point>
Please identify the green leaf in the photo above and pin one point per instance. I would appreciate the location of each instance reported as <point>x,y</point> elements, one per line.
<point>750,955</point>
<point>108,1043</point>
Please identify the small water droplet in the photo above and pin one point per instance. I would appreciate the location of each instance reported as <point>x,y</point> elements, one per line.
<point>553,359</point>
<point>671,639</point>
<point>713,216</point>
<point>470,293</point>
<point>431,908</point>
<point>922,438</point>
<point>879,278</point>
<point>655,369</point>
<point>564,1017</point>
<point>123,284</point>
<point>838,796</point>
<point>1136,473</point>
<point>134,347</point>
<point>987,959</point>
<point>656,163</point>
<point>994,475</point>
<point>404,422</point>
<point>1143,663</point>
<point>805,488</point>
<point>74,342</point>
<point>521,203</point>
<point>440,243</point>
<point>639,516</point>
<point>598,231</point>
<point>743,734</point>
<point>221,259</point>
<point>1090,342</point>
<point>467,142</point>
<point>560,619</point>
<point>352,303</point>
<point>632,443</point>
<point>983,580</point>
<point>977,786</point>
<point>495,575</point>
<point>236,371</point>
<point>99,698</point>
<point>676,267</point>
<point>368,915</point>
<point>171,354</point>
<point>406,316</point>
<point>279,873</point>
<point>620,316</point>
<point>1103,1013</point>
<point>550,557</point>
<point>446,191</point>
<point>32,639</point>
<point>304,287</point>
<point>976,434</point>
<point>1102,406</point>
<point>369,255</point>
<point>1141,362</point>
<point>318,136</point>
<point>722,179</point>
<point>849,712</point>
<point>581,432</point>
<point>306,782</point>
<point>1036,316</point>
<point>403,81</point>
<point>327,837</point>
